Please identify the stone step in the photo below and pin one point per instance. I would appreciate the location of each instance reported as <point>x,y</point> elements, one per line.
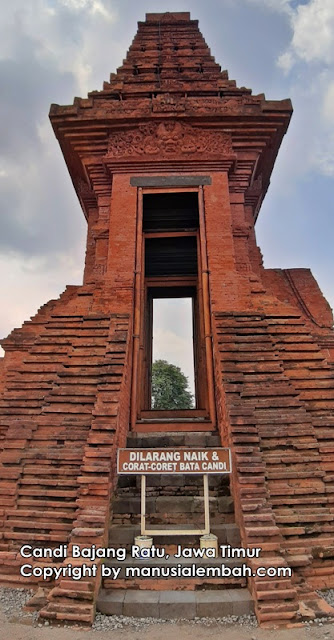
<point>173,571</point>
<point>173,439</point>
<point>147,426</point>
<point>182,480</point>
<point>124,535</point>
<point>172,504</point>
<point>180,483</point>
<point>168,605</point>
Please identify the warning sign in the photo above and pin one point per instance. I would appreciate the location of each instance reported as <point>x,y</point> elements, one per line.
<point>200,461</point>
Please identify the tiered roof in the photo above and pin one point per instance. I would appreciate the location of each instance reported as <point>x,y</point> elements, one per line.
<point>170,76</point>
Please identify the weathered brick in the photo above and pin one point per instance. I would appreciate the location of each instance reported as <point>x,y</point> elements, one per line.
<point>65,381</point>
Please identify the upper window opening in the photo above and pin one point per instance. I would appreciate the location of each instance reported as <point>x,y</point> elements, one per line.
<point>170,211</point>
<point>171,256</point>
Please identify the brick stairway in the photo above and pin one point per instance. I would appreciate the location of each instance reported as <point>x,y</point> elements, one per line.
<point>58,383</point>
<point>313,510</point>
<point>63,415</point>
<point>173,502</point>
<point>278,399</point>
<point>69,600</point>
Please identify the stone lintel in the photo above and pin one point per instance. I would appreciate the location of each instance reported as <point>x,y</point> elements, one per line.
<point>169,181</point>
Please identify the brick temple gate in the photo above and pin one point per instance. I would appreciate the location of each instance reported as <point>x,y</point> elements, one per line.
<point>171,162</point>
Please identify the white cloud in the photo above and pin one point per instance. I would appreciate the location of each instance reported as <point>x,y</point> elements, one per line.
<point>313,34</point>
<point>93,6</point>
<point>66,33</point>
<point>309,60</point>
<point>328,104</point>
<point>285,61</point>
<point>313,37</point>
<point>279,6</point>
<point>324,145</point>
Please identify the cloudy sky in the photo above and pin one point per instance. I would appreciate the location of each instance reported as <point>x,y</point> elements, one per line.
<point>53,50</point>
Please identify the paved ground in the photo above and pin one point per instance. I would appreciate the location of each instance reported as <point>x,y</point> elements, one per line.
<point>183,631</point>
<point>16,625</point>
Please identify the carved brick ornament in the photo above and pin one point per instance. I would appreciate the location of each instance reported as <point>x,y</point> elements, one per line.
<point>169,138</point>
<point>167,102</point>
<point>230,106</point>
<point>86,194</point>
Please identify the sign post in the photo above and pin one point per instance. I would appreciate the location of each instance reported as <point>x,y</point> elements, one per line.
<point>190,461</point>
